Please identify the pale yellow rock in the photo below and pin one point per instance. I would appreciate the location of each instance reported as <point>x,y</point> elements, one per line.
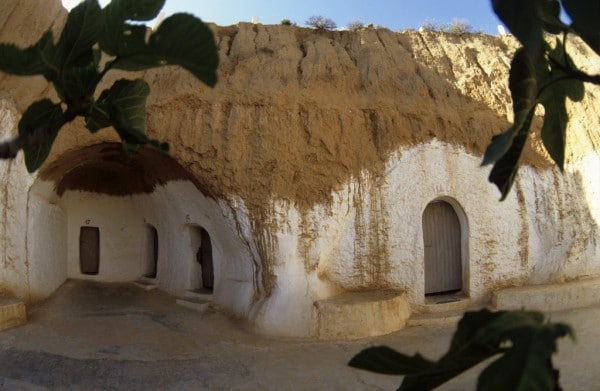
<point>12,313</point>
<point>546,297</point>
<point>354,315</point>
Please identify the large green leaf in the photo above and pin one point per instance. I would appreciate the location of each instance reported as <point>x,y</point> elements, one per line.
<point>124,106</point>
<point>381,359</point>
<point>136,10</point>
<point>38,59</point>
<point>585,15</point>
<point>526,340</point>
<point>80,34</point>
<point>523,19</point>
<point>182,40</point>
<point>468,327</point>
<point>118,37</point>
<point>99,114</point>
<point>76,86</point>
<point>523,87</point>
<point>556,86</point>
<point>549,12</point>
<point>554,130</point>
<point>504,172</point>
<point>528,361</point>
<point>39,125</point>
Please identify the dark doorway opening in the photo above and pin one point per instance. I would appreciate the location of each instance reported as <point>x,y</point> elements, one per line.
<point>205,258</point>
<point>89,250</point>
<point>442,246</point>
<point>151,251</point>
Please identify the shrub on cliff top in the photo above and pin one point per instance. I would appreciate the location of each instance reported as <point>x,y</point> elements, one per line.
<point>321,23</point>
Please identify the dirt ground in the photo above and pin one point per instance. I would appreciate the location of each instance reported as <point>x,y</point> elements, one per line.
<point>92,336</point>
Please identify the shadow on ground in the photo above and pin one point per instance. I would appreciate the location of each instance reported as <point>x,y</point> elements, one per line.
<point>91,336</point>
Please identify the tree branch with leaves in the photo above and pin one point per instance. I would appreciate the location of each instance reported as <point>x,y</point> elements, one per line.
<point>93,36</point>
<point>541,74</point>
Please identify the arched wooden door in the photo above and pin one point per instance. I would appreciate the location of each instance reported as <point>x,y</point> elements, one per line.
<point>442,243</point>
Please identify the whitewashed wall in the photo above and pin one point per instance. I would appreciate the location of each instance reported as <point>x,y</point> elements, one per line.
<point>368,237</point>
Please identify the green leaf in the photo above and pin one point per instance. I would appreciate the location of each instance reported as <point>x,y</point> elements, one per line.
<point>98,116</point>
<point>523,87</point>
<point>125,40</point>
<point>468,326</point>
<point>38,59</point>
<point>549,12</point>
<point>77,85</point>
<point>124,104</point>
<point>182,40</point>
<point>118,37</point>
<point>505,169</point>
<point>585,14</point>
<point>554,130</point>
<point>138,10</point>
<point>41,121</point>
<point>525,338</point>
<point>523,19</point>
<point>528,361</point>
<point>556,88</point>
<point>80,34</point>
<point>381,359</point>
<point>522,83</point>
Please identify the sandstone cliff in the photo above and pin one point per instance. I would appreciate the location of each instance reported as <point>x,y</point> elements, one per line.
<point>297,112</point>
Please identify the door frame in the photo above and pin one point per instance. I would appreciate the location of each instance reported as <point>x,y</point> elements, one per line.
<point>96,236</point>
<point>464,242</point>
<point>196,233</point>
<point>151,251</point>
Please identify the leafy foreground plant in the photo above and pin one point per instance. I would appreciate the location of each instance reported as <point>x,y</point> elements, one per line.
<point>91,37</point>
<point>541,74</point>
<point>524,340</point>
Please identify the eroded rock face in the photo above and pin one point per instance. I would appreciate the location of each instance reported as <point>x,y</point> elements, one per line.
<point>320,152</point>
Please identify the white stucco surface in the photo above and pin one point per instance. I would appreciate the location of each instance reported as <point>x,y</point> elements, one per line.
<point>176,210</point>
<point>13,210</point>
<point>46,241</point>
<point>368,238</point>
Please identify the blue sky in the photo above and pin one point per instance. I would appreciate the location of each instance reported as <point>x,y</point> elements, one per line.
<point>393,14</point>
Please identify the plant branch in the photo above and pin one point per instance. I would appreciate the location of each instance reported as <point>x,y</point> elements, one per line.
<point>575,73</point>
<point>37,136</point>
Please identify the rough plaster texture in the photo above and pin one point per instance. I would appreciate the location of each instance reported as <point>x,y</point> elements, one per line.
<point>310,165</point>
<point>12,313</point>
<point>354,315</point>
<point>576,294</point>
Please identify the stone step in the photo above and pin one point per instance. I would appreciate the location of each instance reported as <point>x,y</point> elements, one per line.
<point>551,297</point>
<point>194,304</point>
<point>12,313</point>
<point>146,283</point>
<point>435,318</point>
<point>441,309</point>
<point>353,315</point>
<point>199,294</point>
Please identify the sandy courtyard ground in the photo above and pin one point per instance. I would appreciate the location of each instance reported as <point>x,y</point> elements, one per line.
<point>92,336</point>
